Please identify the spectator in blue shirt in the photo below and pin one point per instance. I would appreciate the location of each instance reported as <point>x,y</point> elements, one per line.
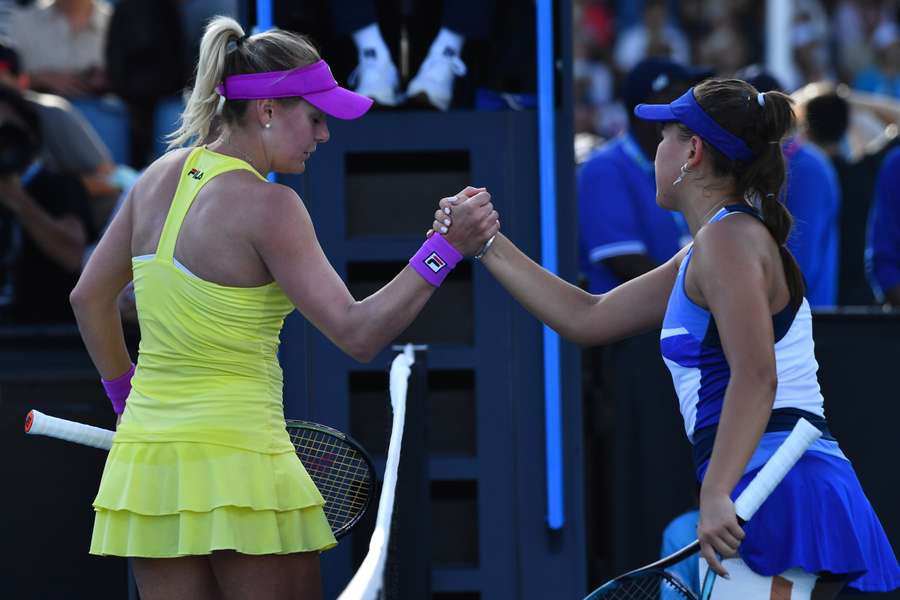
<point>813,195</point>
<point>623,233</point>
<point>884,249</point>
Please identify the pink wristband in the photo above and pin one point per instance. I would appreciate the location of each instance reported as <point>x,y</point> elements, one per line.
<point>435,259</point>
<point>117,390</point>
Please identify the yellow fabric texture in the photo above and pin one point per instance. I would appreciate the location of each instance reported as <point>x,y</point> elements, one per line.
<point>202,460</point>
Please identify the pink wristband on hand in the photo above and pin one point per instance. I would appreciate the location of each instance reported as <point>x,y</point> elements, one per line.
<point>435,259</point>
<point>117,390</point>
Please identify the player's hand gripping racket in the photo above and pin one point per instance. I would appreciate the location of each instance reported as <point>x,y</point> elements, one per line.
<point>649,582</point>
<point>337,464</point>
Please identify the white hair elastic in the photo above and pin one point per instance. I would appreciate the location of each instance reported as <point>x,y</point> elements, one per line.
<point>761,99</point>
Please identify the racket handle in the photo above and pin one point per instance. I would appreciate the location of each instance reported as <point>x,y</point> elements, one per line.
<point>787,455</point>
<point>37,423</point>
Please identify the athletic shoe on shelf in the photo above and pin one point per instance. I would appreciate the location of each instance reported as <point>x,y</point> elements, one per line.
<point>433,84</point>
<point>376,78</point>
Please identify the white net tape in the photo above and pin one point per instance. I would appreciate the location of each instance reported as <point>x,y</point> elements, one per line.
<point>369,579</point>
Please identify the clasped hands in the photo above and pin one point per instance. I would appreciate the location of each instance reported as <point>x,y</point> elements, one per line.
<point>467,220</point>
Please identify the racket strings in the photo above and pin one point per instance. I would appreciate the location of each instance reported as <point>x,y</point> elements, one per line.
<point>647,587</point>
<point>340,472</point>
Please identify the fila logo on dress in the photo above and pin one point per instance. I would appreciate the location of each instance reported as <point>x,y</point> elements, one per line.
<point>196,174</point>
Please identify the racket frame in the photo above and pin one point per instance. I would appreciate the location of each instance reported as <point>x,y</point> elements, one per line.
<point>349,441</point>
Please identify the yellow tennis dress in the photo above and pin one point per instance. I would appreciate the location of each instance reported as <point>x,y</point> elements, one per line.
<point>202,460</point>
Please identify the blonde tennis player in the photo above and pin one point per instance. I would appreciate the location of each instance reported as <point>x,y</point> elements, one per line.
<point>202,486</point>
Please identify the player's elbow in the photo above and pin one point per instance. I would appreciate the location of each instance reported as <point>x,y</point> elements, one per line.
<point>360,347</point>
<point>363,355</point>
<point>79,298</point>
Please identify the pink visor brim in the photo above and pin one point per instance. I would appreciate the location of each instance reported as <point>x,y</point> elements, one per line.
<point>340,103</point>
<point>314,83</point>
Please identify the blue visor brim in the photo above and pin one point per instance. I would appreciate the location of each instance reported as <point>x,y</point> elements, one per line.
<point>687,110</point>
<point>655,112</point>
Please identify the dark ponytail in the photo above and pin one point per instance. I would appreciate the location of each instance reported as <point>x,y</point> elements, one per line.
<point>736,106</point>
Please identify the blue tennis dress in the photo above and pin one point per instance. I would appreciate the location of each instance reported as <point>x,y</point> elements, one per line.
<point>818,518</point>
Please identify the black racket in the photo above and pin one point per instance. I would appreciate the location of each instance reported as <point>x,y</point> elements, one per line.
<point>337,464</point>
<point>649,582</point>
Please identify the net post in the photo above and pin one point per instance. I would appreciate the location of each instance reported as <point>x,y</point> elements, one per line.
<point>408,569</point>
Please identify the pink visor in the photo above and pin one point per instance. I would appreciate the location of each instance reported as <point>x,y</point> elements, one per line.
<point>314,83</point>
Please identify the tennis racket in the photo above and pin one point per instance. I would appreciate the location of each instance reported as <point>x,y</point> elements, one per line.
<point>337,464</point>
<point>652,581</point>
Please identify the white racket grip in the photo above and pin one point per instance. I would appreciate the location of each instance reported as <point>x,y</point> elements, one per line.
<point>787,455</point>
<point>37,423</point>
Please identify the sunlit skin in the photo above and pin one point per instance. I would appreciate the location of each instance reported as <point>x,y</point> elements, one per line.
<point>276,136</point>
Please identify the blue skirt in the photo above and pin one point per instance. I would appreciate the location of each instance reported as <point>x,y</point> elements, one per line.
<point>819,519</point>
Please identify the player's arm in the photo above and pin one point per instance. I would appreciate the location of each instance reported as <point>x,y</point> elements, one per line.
<point>587,319</point>
<point>733,279</point>
<point>287,244</point>
<point>95,297</point>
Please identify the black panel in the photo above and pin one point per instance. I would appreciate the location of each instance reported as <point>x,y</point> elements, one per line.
<point>432,326</point>
<point>450,412</point>
<point>391,194</point>
<point>454,523</point>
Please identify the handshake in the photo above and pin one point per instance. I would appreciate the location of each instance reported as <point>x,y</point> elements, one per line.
<point>467,221</point>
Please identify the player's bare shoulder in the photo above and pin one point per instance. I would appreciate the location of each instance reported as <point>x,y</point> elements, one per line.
<point>737,234</point>
<point>274,207</point>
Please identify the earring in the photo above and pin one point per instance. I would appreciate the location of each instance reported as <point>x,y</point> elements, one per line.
<point>684,171</point>
<point>268,126</point>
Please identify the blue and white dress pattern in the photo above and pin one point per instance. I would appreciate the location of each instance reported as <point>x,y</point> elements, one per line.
<point>818,518</point>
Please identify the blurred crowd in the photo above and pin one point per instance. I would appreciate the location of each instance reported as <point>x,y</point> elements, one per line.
<point>840,61</point>
<point>91,88</point>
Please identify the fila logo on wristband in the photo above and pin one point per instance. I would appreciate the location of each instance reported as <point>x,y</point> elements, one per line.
<point>435,262</point>
<point>435,259</point>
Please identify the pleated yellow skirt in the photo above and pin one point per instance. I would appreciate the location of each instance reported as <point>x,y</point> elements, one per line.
<point>159,500</point>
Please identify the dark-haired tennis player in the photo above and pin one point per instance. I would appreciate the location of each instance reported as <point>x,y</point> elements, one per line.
<point>737,337</point>
<point>202,485</point>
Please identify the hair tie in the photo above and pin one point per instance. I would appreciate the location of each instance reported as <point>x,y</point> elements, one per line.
<point>234,43</point>
<point>761,99</point>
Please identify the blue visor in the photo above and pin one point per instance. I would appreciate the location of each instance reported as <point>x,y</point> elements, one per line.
<point>687,110</point>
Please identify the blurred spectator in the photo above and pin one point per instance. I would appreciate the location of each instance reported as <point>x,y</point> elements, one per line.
<point>71,146</point>
<point>809,43</point>
<point>883,77</point>
<point>812,193</point>
<point>853,24</point>
<point>44,221</point>
<point>61,45</point>
<point>723,49</point>
<point>6,14</point>
<point>146,52</point>
<point>654,37</point>
<point>884,251</point>
<point>842,124</point>
<point>596,107</point>
<point>623,233</point>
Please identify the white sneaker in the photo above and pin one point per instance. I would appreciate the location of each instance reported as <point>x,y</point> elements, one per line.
<point>377,79</point>
<point>434,81</point>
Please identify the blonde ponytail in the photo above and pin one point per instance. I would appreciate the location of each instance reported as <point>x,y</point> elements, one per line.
<point>224,51</point>
<point>204,101</point>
